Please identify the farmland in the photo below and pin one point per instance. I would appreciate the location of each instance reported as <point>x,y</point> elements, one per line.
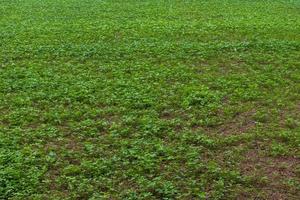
<point>154,99</point>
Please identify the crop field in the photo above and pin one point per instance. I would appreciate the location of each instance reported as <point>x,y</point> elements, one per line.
<point>152,99</point>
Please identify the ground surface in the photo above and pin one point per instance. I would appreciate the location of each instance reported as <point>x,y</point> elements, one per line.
<point>149,99</point>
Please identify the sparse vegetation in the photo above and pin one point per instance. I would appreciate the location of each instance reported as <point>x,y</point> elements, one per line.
<point>151,99</point>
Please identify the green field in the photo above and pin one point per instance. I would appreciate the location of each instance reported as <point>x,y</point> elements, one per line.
<point>154,99</point>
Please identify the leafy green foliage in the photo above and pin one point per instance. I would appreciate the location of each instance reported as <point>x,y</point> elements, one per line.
<point>153,99</point>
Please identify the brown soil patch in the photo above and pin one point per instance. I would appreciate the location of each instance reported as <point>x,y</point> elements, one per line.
<point>167,116</point>
<point>241,123</point>
<point>69,143</point>
<point>277,170</point>
<point>283,115</point>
